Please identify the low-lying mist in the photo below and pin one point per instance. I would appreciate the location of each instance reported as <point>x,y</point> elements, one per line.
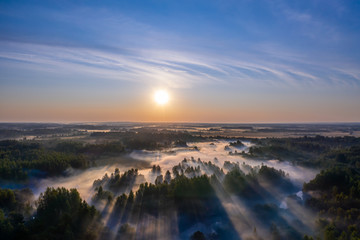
<point>83,180</point>
<point>214,151</point>
<point>242,218</point>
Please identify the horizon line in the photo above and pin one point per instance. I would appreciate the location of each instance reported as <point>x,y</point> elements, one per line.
<point>170,122</point>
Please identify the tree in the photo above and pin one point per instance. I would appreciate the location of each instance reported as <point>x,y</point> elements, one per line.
<point>198,236</point>
<point>62,214</point>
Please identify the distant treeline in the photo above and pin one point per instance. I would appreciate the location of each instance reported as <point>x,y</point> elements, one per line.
<point>18,159</point>
<point>13,133</point>
<point>316,151</point>
<point>149,139</point>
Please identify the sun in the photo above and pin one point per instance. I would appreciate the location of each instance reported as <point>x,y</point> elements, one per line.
<point>161,97</point>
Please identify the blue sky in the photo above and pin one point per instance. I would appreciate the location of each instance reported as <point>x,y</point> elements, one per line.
<point>221,61</point>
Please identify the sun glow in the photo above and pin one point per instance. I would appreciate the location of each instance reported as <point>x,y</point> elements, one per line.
<point>161,97</point>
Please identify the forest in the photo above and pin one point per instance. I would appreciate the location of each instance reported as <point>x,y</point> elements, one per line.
<point>248,194</point>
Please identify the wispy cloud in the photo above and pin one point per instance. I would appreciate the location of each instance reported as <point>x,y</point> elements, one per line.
<point>119,48</point>
<point>175,69</point>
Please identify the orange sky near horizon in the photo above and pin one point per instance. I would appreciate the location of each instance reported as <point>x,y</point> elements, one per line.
<point>176,110</point>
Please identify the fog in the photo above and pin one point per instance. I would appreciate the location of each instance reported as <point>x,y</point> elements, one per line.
<point>239,212</point>
<point>83,180</point>
<point>214,151</point>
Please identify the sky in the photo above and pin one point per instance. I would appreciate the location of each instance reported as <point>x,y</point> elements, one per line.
<point>237,61</point>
